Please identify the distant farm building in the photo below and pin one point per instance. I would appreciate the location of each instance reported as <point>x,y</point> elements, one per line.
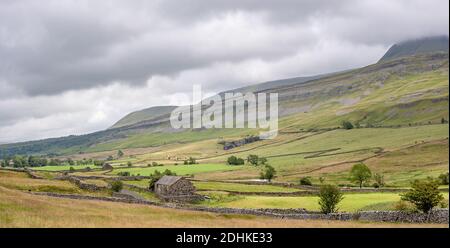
<point>107,166</point>
<point>175,188</point>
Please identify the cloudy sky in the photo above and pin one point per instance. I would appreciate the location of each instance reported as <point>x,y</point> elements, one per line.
<point>73,67</point>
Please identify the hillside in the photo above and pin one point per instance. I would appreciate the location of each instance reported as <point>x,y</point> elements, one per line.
<point>143,115</point>
<point>411,90</point>
<point>417,46</point>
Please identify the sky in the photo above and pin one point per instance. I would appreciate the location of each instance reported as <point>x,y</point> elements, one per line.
<point>74,67</point>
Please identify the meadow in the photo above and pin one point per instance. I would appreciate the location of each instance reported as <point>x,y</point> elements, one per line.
<point>351,202</point>
<point>179,169</point>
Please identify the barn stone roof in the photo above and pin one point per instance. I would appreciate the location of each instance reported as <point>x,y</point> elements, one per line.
<point>168,180</point>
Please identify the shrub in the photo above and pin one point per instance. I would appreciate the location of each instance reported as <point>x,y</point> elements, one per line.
<point>129,164</point>
<point>329,198</point>
<point>424,194</point>
<point>190,160</point>
<point>321,180</point>
<point>233,160</point>
<point>117,186</point>
<point>124,174</point>
<point>379,180</point>
<point>403,206</point>
<point>305,181</point>
<point>360,173</point>
<point>443,178</point>
<point>71,169</point>
<point>347,125</point>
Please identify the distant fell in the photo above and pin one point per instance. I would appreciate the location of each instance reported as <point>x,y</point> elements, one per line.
<point>144,115</point>
<point>417,46</point>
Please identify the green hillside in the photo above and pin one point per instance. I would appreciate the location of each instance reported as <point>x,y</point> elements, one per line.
<point>408,91</point>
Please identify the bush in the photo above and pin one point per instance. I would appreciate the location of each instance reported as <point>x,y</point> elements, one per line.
<point>306,181</point>
<point>329,198</point>
<point>233,160</point>
<point>347,125</point>
<point>379,180</point>
<point>424,194</point>
<point>403,206</point>
<point>124,174</point>
<point>190,160</point>
<point>129,164</point>
<point>71,169</point>
<point>443,178</point>
<point>117,186</point>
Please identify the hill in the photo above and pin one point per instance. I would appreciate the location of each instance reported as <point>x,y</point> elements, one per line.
<point>152,113</point>
<point>405,91</point>
<point>417,46</point>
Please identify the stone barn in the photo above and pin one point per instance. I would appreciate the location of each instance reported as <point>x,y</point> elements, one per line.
<point>107,166</point>
<point>175,188</point>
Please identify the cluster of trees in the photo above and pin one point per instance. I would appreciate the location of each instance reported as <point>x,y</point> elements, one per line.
<point>23,161</point>
<point>267,171</point>
<point>190,160</point>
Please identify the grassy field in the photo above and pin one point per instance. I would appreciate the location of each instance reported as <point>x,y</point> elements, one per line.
<point>22,210</point>
<point>350,203</point>
<point>20,181</point>
<point>217,186</point>
<point>64,167</point>
<point>180,169</point>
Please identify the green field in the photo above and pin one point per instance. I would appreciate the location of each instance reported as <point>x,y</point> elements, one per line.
<point>350,203</point>
<point>180,169</point>
<point>64,167</point>
<point>239,187</point>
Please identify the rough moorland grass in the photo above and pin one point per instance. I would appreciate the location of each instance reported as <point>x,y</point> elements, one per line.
<point>180,169</point>
<point>22,210</point>
<point>350,203</point>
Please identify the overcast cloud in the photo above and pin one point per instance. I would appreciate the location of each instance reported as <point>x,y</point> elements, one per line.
<point>73,67</point>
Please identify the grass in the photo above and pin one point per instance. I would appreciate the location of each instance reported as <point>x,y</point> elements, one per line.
<point>218,186</point>
<point>20,181</point>
<point>180,169</point>
<point>63,167</point>
<point>350,203</point>
<point>22,210</point>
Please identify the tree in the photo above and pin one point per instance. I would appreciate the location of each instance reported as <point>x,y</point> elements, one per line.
<point>119,153</point>
<point>129,164</point>
<point>109,158</point>
<point>233,160</point>
<point>321,180</point>
<point>443,121</point>
<point>117,186</point>
<point>268,173</point>
<point>424,194</point>
<point>379,180</point>
<point>329,198</point>
<point>360,173</point>
<point>253,159</point>
<point>190,160</point>
<point>347,125</point>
